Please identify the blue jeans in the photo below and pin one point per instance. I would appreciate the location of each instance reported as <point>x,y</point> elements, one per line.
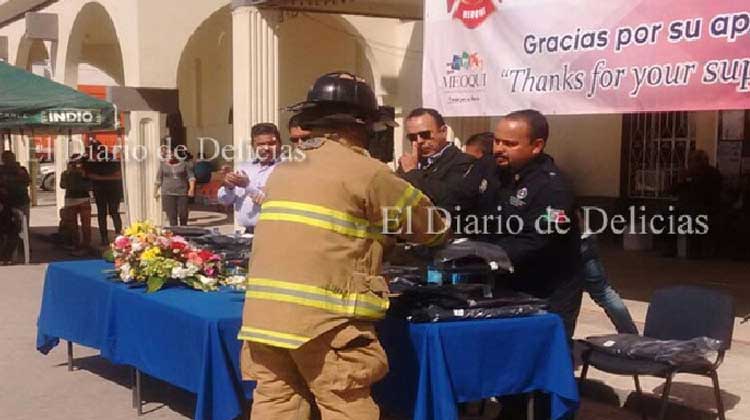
<point>598,287</point>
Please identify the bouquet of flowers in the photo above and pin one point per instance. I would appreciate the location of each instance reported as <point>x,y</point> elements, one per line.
<point>147,254</point>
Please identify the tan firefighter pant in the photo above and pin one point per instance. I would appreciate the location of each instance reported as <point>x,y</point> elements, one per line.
<point>333,371</point>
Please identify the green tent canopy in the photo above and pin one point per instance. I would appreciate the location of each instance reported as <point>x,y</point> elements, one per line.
<point>30,102</point>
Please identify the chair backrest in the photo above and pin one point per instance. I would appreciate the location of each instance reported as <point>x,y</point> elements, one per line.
<point>686,312</point>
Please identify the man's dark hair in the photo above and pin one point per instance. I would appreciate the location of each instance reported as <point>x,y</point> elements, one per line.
<point>265,128</point>
<point>418,112</point>
<point>7,155</point>
<point>538,125</point>
<point>295,121</point>
<point>482,140</point>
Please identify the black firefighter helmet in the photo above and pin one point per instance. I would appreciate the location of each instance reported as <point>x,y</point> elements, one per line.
<point>341,98</point>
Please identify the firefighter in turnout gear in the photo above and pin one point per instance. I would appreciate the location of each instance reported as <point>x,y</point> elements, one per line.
<point>314,289</point>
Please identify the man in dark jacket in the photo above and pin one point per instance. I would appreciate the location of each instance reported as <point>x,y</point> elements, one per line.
<point>535,207</point>
<point>435,166</point>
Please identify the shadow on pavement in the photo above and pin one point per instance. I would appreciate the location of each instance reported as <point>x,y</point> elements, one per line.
<point>702,405</point>
<point>156,394</point>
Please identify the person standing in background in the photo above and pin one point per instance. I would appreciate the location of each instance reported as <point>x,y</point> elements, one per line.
<point>296,133</point>
<point>203,169</point>
<point>77,188</point>
<point>106,179</point>
<point>596,283</point>
<point>10,227</point>
<point>480,146</point>
<point>243,188</point>
<point>435,166</point>
<point>699,194</point>
<point>17,180</point>
<point>176,180</point>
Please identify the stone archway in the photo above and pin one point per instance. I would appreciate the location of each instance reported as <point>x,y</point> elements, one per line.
<point>93,46</point>
<point>93,56</point>
<point>34,57</point>
<point>204,81</point>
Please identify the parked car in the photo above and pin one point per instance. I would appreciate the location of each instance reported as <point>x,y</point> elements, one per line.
<point>46,176</point>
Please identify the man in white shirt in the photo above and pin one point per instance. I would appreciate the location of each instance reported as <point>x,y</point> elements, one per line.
<point>244,187</point>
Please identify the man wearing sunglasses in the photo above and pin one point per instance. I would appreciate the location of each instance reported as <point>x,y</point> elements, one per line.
<point>435,166</point>
<point>296,133</point>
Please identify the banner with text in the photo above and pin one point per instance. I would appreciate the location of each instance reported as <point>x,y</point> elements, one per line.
<point>490,57</point>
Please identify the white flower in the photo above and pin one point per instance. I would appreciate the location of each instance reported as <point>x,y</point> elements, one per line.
<point>184,271</point>
<point>192,269</point>
<point>235,280</point>
<point>136,246</point>
<point>207,281</point>
<point>180,272</point>
<point>125,273</point>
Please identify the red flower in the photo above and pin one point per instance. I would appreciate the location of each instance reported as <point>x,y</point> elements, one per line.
<point>206,255</point>
<point>179,246</point>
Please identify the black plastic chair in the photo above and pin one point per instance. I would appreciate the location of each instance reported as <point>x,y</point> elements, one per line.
<point>675,313</point>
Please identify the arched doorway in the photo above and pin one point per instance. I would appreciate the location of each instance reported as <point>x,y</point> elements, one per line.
<point>93,61</point>
<point>94,54</point>
<point>204,75</point>
<point>34,57</point>
<point>204,83</point>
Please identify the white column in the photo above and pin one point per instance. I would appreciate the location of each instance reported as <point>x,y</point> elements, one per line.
<point>61,162</point>
<point>141,161</point>
<point>21,149</point>
<point>255,63</point>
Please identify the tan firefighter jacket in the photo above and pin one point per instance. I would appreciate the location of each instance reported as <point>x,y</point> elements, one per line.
<point>319,243</point>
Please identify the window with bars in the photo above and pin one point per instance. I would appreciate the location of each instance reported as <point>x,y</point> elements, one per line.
<point>655,150</point>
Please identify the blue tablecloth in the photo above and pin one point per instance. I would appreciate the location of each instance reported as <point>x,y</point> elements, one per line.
<point>186,338</point>
<point>435,366</point>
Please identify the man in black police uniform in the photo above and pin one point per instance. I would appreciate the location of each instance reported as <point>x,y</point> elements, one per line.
<point>435,166</point>
<point>545,253</point>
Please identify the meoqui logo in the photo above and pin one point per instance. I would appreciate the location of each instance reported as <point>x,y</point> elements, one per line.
<point>465,71</point>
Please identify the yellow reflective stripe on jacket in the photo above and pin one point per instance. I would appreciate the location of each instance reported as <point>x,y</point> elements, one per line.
<point>410,197</point>
<point>273,338</point>
<point>320,217</point>
<point>316,209</point>
<point>353,304</point>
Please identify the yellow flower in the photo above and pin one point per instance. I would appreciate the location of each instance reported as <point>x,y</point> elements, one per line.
<point>140,228</point>
<point>150,253</point>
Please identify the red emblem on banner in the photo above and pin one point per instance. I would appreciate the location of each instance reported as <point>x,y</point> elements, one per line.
<point>471,12</point>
